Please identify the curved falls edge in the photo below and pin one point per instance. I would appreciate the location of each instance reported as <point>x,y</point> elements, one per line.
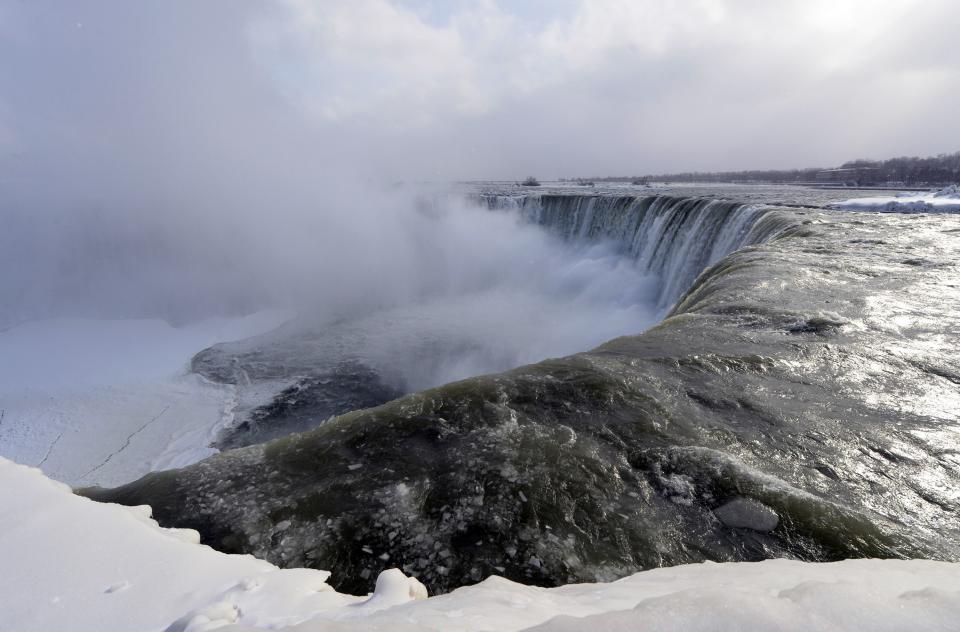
<point>796,402</point>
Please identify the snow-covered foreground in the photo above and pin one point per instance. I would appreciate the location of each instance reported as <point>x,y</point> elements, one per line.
<point>73,564</point>
<point>106,401</point>
<point>944,201</point>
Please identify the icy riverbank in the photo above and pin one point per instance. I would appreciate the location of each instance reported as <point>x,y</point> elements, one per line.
<point>944,201</point>
<point>106,401</point>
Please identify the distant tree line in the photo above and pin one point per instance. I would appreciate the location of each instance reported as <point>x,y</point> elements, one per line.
<point>938,170</point>
<point>907,171</point>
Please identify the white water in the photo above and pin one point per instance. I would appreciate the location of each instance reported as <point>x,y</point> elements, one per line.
<point>672,239</point>
<point>488,291</point>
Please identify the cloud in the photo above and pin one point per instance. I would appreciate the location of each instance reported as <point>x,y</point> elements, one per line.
<point>390,64</point>
<point>632,86</point>
<point>180,95</point>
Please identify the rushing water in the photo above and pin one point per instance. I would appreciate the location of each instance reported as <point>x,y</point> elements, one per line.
<point>622,262</point>
<point>672,237</point>
<point>800,400</point>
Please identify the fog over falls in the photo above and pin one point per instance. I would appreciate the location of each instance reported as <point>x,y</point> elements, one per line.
<point>427,288</point>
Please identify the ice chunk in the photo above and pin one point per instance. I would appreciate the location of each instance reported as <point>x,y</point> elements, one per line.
<point>746,513</point>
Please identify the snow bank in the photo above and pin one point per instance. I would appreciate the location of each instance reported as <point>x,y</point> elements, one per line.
<point>945,201</point>
<point>73,564</point>
<point>69,563</point>
<point>877,595</point>
<point>106,401</point>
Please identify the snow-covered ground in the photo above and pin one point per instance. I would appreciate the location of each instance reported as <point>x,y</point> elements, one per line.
<point>69,563</point>
<point>106,401</point>
<point>944,201</point>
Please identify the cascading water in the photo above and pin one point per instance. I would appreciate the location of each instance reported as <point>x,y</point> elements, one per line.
<point>794,387</point>
<point>675,238</point>
<point>620,263</point>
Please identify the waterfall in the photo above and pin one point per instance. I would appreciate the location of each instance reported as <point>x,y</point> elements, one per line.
<point>675,238</point>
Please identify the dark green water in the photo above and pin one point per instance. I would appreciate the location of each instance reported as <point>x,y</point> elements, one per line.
<point>801,400</point>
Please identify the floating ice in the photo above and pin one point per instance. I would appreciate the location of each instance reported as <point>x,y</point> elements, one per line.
<point>946,200</point>
<point>746,513</point>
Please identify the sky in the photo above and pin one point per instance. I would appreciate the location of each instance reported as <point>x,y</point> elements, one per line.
<point>160,97</point>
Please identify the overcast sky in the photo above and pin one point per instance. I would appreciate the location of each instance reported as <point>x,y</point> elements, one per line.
<point>161,94</point>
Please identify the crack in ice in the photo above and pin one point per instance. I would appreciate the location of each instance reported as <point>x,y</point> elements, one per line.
<point>49,450</point>
<point>126,443</point>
